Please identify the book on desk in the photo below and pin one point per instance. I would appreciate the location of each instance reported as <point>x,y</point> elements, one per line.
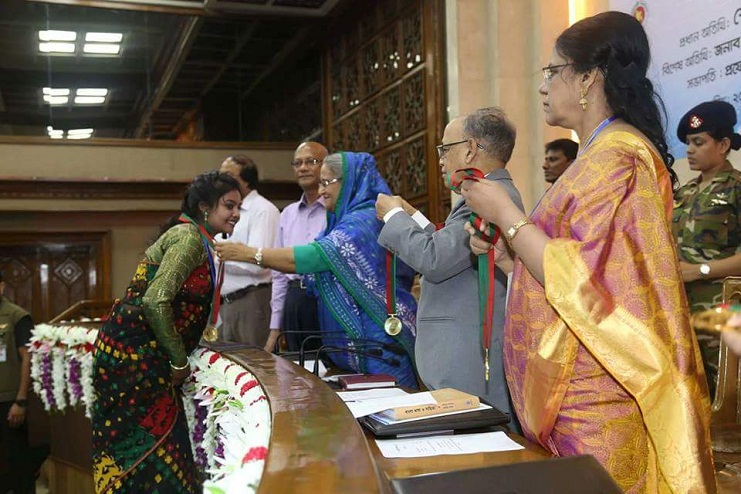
<point>366,381</point>
<point>482,416</point>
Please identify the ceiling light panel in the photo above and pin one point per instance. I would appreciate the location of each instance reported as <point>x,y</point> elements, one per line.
<point>72,132</point>
<point>55,91</point>
<point>102,48</point>
<point>56,47</point>
<point>104,37</point>
<point>57,35</point>
<point>92,91</point>
<point>56,100</point>
<point>89,100</point>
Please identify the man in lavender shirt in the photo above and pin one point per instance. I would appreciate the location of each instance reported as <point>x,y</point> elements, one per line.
<point>293,309</point>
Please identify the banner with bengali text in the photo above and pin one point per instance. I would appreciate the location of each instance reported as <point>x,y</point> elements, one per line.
<point>696,53</point>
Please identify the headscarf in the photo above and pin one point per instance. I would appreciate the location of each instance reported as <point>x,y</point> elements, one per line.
<point>355,287</point>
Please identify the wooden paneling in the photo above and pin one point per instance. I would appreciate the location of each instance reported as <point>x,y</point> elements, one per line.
<point>384,94</point>
<point>47,272</point>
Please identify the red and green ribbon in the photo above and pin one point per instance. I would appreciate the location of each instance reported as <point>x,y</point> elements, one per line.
<point>390,283</point>
<point>486,262</point>
<point>216,278</point>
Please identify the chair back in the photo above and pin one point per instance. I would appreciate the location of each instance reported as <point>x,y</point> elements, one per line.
<point>727,403</point>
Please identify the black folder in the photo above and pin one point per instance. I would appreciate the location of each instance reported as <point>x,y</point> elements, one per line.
<point>459,422</point>
<point>567,475</point>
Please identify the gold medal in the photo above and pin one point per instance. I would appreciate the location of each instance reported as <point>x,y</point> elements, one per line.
<point>392,325</point>
<point>210,334</point>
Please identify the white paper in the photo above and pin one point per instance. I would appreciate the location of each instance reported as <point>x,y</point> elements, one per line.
<point>309,366</point>
<point>459,444</point>
<point>369,394</point>
<point>367,407</point>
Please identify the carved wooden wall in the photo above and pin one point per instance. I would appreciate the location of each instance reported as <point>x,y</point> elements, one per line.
<point>384,94</point>
<point>45,273</point>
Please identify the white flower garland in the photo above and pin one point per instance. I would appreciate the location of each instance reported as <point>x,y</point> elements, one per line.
<point>61,366</point>
<point>237,428</point>
<point>231,441</point>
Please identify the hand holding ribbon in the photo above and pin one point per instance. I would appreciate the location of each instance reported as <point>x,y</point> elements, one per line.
<point>490,233</point>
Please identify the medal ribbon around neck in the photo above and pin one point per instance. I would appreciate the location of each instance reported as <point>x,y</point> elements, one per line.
<point>486,262</point>
<point>393,325</point>
<point>216,279</point>
<point>604,123</point>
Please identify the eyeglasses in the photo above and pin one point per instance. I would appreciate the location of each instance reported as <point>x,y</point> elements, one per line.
<point>307,161</point>
<point>549,71</point>
<point>443,149</point>
<point>327,183</point>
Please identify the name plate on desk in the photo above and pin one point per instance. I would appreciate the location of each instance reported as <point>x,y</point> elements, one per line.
<point>567,475</point>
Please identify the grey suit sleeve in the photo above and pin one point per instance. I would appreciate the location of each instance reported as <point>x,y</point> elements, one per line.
<point>436,255</point>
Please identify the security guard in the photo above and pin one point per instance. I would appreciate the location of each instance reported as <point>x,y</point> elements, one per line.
<point>18,470</point>
<point>706,214</point>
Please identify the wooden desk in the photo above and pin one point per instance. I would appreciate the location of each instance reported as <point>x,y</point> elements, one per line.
<point>315,445</point>
<point>316,442</point>
<point>395,468</point>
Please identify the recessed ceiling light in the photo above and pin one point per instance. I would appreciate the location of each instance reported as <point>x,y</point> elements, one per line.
<point>102,48</point>
<point>79,136</point>
<point>55,91</point>
<point>56,47</point>
<point>92,91</point>
<point>89,100</point>
<point>104,37</point>
<point>57,35</point>
<point>56,100</point>
<point>72,132</point>
<point>56,136</point>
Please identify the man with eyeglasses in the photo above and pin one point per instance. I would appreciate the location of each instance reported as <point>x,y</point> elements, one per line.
<point>449,349</point>
<point>246,290</point>
<point>558,156</point>
<point>295,310</point>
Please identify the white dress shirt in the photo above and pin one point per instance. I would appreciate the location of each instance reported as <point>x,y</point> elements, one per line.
<point>257,226</point>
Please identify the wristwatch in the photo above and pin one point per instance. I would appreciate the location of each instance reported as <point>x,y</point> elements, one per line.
<point>21,403</point>
<point>704,270</point>
<point>258,256</point>
<point>509,235</point>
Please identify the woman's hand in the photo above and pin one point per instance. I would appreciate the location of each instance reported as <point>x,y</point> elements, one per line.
<point>233,251</point>
<point>179,376</point>
<point>502,255</point>
<point>488,199</point>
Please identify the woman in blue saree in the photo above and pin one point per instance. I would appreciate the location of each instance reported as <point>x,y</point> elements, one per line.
<point>347,269</point>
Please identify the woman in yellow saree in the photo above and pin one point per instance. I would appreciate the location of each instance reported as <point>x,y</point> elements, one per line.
<point>599,355</point>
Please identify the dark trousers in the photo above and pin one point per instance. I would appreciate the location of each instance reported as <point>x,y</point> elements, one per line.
<point>300,315</point>
<point>18,464</point>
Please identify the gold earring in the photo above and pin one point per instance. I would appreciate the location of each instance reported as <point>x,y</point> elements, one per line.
<point>583,101</point>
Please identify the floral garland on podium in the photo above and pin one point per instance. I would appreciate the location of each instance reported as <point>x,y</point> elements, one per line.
<point>226,408</point>
<point>62,366</point>
<point>229,420</point>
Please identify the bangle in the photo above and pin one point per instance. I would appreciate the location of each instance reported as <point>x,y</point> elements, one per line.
<point>21,403</point>
<point>258,256</point>
<point>511,232</point>
<point>179,368</point>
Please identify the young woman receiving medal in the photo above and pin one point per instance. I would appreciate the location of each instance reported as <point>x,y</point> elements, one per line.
<point>140,438</point>
<point>363,292</point>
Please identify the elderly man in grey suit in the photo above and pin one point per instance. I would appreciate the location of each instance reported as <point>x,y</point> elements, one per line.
<point>449,350</point>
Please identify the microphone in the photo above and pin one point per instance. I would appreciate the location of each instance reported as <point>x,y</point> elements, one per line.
<point>310,334</point>
<point>374,353</point>
<point>394,348</point>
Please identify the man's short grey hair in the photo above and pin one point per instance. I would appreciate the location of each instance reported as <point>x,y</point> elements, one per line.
<point>493,130</point>
<point>334,163</point>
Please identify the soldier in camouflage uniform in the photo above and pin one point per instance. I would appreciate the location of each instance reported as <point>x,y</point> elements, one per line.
<point>706,219</point>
